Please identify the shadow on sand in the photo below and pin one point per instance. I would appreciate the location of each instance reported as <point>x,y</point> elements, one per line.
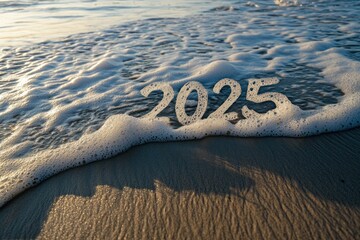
<point>326,165</point>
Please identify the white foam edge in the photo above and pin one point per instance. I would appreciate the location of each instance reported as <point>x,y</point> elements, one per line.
<point>120,132</point>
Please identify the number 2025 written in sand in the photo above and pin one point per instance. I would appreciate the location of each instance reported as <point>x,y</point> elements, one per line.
<point>251,95</point>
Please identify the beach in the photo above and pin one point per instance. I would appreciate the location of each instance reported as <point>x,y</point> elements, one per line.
<point>211,119</point>
<point>214,188</point>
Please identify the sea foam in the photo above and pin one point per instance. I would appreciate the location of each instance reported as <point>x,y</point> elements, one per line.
<point>70,102</point>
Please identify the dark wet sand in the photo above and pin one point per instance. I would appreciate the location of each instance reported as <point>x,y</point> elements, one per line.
<point>215,188</point>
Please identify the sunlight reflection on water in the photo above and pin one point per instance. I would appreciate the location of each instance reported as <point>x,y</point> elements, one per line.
<point>26,22</point>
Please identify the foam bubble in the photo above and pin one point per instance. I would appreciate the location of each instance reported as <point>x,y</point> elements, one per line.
<point>288,2</point>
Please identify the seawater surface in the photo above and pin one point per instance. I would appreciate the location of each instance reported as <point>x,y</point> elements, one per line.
<point>28,21</point>
<point>76,99</point>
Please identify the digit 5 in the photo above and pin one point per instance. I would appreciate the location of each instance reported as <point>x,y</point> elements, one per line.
<point>252,95</point>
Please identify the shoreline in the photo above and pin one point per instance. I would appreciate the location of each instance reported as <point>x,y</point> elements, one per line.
<point>217,187</point>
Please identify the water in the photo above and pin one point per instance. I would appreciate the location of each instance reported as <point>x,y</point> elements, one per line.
<point>28,21</point>
<point>67,100</point>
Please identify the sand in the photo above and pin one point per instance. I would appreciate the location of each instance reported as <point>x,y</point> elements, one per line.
<point>215,188</point>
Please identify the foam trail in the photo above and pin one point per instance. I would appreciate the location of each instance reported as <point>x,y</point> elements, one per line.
<point>70,102</point>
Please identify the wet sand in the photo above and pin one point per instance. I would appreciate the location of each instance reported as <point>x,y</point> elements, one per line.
<point>215,188</point>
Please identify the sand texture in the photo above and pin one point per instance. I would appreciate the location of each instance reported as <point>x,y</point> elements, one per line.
<point>215,188</point>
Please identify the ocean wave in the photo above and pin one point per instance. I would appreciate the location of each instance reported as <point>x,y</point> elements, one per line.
<point>78,99</point>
